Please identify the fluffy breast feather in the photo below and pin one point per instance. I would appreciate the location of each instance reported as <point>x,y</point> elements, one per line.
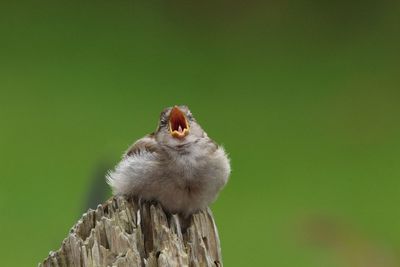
<point>182,181</point>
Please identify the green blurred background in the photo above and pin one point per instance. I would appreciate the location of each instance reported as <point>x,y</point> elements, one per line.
<point>304,95</point>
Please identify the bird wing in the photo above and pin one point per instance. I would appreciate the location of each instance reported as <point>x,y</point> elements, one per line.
<point>134,172</point>
<point>147,143</point>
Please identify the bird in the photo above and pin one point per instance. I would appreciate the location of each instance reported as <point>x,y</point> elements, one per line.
<point>178,165</point>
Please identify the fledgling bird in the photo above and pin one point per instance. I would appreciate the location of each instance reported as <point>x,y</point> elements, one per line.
<point>178,165</point>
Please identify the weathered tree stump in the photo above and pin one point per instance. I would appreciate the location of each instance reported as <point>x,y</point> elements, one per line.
<point>123,232</point>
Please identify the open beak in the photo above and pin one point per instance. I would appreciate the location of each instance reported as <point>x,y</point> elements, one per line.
<point>178,124</point>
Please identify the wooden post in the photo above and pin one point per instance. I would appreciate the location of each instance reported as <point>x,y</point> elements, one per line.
<point>123,232</point>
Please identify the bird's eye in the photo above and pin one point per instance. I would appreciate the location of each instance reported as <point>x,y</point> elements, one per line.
<point>190,117</point>
<point>163,122</point>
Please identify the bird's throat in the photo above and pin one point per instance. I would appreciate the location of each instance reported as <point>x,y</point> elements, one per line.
<point>178,124</point>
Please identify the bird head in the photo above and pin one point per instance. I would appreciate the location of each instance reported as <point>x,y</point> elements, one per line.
<point>177,126</point>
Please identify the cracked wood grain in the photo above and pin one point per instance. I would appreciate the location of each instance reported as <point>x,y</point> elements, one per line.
<point>124,232</point>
